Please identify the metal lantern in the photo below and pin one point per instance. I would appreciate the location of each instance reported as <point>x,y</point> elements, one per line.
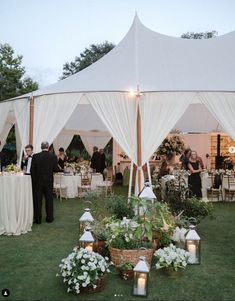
<point>85,220</point>
<point>141,275</point>
<point>147,193</point>
<point>87,240</point>
<point>192,245</point>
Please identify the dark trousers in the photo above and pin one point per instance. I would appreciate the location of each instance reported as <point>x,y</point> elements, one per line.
<point>47,192</point>
<point>34,191</point>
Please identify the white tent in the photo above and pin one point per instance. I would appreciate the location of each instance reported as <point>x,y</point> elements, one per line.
<point>165,74</point>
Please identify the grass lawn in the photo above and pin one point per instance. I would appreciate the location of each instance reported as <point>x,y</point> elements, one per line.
<point>29,263</point>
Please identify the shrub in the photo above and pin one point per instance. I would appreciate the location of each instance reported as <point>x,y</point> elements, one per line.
<point>119,207</point>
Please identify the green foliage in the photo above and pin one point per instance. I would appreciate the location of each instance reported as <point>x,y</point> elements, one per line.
<point>180,202</point>
<point>126,266</point>
<point>165,239</point>
<point>119,207</point>
<point>170,146</point>
<point>200,35</point>
<point>12,82</point>
<point>89,56</point>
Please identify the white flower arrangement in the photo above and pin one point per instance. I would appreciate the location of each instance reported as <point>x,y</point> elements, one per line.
<point>82,268</point>
<point>171,257</point>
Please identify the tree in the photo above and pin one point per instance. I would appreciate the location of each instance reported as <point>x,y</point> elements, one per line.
<point>90,55</point>
<point>199,35</point>
<point>12,81</point>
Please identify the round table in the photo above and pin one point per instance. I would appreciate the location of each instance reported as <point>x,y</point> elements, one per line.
<point>16,204</point>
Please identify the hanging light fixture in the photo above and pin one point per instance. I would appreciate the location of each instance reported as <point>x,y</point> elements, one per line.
<point>141,277</point>
<point>192,245</point>
<point>87,240</point>
<point>85,220</point>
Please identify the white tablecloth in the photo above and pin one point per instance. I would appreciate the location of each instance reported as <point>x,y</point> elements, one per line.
<point>16,204</point>
<point>73,181</point>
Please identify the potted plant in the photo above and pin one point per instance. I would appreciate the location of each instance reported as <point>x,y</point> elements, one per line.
<point>84,271</point>
<point>126,270</point>
<point>127,240</point>
<point>171,259</point>
<point>100,234</point>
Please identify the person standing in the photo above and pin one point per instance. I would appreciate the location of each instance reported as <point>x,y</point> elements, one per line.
<point>26,166</point>
<point>61,158</point>
<point>102,162</point>
<point>185,158</point>
<point>44,164</point>
<point>194,179</point>
<point>27,160</point>
<point>96,160</point>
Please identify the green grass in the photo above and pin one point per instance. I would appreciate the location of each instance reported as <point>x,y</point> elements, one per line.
<point>29,263</point>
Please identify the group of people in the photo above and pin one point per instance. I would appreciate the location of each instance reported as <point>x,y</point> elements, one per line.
<point>41,167</point>
<point>192,163</point>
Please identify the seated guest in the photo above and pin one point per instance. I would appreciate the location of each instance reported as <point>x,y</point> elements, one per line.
<point>164,169</point>
<point>27,160</point>
<point>194,179</point>
<point>185,158</point>
<point>61,158</point>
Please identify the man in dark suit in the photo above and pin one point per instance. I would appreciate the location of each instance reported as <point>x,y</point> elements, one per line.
<point>96,160</point>
<point>27,160</point>
<point>44,164</point>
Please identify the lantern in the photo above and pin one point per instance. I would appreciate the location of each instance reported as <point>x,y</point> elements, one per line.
<point>147,193</point>
<point>192,245</point>
<point>87,240</point>
<point>85,220</point>
<point>141,274</point>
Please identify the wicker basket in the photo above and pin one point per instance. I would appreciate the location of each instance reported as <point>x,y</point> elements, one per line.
<point>118,256</point>
<point>100,286</point>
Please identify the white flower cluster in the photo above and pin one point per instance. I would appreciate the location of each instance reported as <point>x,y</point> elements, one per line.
<point>125,228</point>
<point>171,257</point>
<point>82,268</point>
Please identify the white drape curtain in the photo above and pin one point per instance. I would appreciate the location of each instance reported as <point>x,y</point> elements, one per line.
<point>3,136</point>
<point>5,108</point>
<point>118,112</point>
<point>51,113</point>
<point>21,112</point>
<point>159,113</point>
<point>222,106</point>
<point>62,140</point>
<point>91,139</point>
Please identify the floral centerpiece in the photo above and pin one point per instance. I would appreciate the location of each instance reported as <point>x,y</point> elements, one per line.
<point>84,166</point>
<point>72,166</point>
<point>84,271</point>
<point>123,155</point>
<point>12,168</point>
<point>171,146</point>
<point>171,259</point>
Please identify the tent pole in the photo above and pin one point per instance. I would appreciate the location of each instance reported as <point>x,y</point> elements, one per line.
<point>139,149</point>
<point>31,120</point>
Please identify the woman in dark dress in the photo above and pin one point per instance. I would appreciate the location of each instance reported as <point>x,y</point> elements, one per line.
<point>194,180</point>
<point>61,158</point>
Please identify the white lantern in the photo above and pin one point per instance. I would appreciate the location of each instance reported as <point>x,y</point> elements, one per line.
<point>85,220</point>
<point>141,277</point>
<point>147,193</point>
<point>87,240</point>
<point>192,245</point>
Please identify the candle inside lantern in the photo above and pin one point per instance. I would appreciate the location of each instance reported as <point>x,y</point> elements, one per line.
<point>141,284</point>
<point>192,251</point>
<point>89,248</point>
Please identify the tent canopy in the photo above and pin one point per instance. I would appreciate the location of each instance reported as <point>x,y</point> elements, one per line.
<point>168,75</point>
<point>156,62</point>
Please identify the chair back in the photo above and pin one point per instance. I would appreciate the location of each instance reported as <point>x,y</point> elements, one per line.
<point>85,180</point>
<point>231,182</point>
